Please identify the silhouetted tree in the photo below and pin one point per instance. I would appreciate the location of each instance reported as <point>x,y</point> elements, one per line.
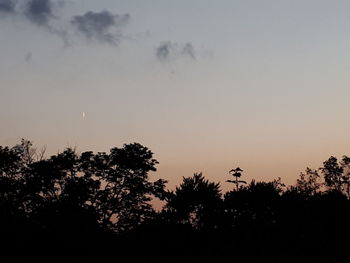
<point>345,164</point>
<point>68,202</point>
<point>196,202</point>
<point>123,199</point>
<point>332,173</point>
<point>309,182</point>
<point>11,186</point>
<point>237,173</point>
<point>114,187</point>
<point>253,203</point>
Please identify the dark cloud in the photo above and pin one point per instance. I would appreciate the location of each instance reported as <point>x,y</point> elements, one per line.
<point>39,11</point>
<point>168,50</point>
<point>98,26</point>
<point>164,50</point>
<point>7,6</point>
<point>188,50</point>
<point>101,26</point>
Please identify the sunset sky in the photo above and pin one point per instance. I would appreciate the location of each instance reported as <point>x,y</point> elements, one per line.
<point>206,85</point>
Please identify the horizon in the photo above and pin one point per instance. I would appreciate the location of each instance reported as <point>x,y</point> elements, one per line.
<point>172,185</point>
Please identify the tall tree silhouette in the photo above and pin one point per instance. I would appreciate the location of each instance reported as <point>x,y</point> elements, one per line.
<point>236,173</point>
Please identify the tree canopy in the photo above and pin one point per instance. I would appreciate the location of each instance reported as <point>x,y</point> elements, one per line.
<point>70,202</point>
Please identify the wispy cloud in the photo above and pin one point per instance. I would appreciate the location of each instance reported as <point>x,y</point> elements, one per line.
<point>39,11</point>
<point>101,26</point>
<point>164,50</point>
<point>7,6</point>
<point>169,50</point>
<point>188,50</point>
<point>104,26</point>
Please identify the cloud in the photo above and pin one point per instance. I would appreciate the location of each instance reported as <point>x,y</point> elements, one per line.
<point>39,11</point>
<point>188,50</point>
<point>98,26</point>
<point>7,6</point>
<point>164,50</point>
<point>102,26</point>
<point>168,50</point>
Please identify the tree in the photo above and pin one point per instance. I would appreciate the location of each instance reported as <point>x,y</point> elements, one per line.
<point>237,173</point>
<point>113,189</point>
<point>253,205</point>
<point>308,183</point>
<point>345,164</point>
<point>196,202</point>
<point>125,191</point>
<point>11,183</point>
<point>332,173</point>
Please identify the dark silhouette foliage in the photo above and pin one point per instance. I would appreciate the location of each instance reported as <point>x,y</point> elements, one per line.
<point>195,202</point>
<point>98,207</point>
<point>236,173</point>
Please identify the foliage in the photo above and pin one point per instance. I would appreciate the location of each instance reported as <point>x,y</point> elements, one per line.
<point>195,202</point>
<point>236,173</point>
<point>69,202</point>
<point>113,188</point>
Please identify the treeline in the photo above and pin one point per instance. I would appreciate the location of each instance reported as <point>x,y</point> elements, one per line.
<point>97,207</point>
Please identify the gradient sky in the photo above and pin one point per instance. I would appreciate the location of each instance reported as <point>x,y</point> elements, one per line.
<point>206,85</point>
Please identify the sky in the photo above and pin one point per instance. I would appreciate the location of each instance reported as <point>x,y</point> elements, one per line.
<point>206,85</point>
